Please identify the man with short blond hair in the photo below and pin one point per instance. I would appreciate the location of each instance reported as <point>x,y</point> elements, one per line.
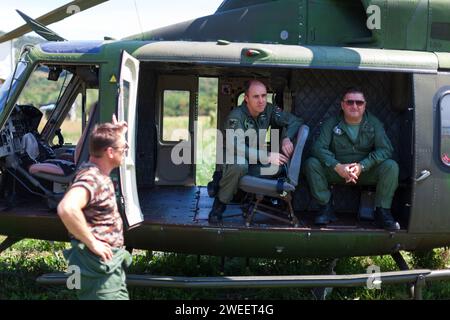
<point>89,212</point>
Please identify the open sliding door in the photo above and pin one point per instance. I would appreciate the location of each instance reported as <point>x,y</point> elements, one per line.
<point>431,201</point>
<point>177,115</point>
<point>129,75</point>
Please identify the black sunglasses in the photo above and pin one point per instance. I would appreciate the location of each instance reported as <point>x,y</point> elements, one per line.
<point>359,103</point>
<point>124,148</point>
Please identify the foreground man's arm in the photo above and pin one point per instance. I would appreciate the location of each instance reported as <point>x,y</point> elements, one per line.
<point>70,210</point>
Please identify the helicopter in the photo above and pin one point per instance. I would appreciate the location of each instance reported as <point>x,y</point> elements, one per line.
<point>397,52</point>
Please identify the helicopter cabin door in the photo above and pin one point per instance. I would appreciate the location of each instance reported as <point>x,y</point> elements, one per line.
<point>431,200</point>
<point>129,75</point>
<point>176,119</point>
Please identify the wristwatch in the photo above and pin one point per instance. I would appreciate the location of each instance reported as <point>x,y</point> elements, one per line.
<point>362,167</point>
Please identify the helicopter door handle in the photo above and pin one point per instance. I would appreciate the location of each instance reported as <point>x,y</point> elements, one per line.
<point>423,175</point>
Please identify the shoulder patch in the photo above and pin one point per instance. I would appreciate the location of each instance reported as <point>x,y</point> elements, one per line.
<point>233,123</point>
<point>338,131</point>
<point>278,112</point>
<point>249,124</point>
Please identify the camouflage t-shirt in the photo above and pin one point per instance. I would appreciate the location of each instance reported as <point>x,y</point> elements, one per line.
<point>101,212</point>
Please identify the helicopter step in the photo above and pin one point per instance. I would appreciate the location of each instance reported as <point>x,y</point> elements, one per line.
<point>419,277</point>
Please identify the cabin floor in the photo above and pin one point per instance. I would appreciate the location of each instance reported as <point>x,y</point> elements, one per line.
<point>167,205</point>
<point>29,207</point>
<point>191,205</point>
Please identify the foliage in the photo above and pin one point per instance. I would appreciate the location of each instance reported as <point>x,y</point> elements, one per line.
<point>19,43</point>
<point>24,40</point>
<point>39,91</point>
<point>28,259</point>
<point>431,259</point>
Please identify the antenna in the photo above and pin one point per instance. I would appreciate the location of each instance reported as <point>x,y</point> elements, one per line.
<point>139,19</point>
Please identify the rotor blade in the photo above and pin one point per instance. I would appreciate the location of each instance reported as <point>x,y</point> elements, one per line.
<point>40,29</point>
<point>54,16</point>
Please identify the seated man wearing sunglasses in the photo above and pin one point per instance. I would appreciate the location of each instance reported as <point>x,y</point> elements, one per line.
<point>353,148</point>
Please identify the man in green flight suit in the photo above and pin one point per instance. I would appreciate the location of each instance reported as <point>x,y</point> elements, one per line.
<point>252,119</point>
<point>353,148</point>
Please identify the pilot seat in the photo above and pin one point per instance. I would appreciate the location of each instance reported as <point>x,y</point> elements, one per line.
<point>60,171</point>
<point>282,188</point>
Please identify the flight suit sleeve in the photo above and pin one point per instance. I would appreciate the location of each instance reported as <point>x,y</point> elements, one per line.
<point>286,120</point>
<point>235,133</point>
<point>382,148</point>
<point>321,147</point>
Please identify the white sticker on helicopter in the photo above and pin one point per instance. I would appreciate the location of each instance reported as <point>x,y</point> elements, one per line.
<point>374,281</point>
<point>374,20</point>
<point>284,35</point>
<point>73,9</point>
<point>74,280</point>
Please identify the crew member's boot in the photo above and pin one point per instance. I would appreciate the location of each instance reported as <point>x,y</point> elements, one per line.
<point>325,214</point>
<point>215,215</point>
<point>384,219</point>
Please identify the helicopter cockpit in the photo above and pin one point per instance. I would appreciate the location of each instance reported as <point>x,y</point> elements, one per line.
<point>34,151</point>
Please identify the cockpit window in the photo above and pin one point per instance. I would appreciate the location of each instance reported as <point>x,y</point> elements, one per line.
<point>445,130</point>
<point>43,93</point>
<point>11,83</point>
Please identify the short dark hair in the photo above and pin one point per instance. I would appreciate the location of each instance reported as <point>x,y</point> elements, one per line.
<point>249,83</point>
<point>353,90</point>
<point>103,136</point>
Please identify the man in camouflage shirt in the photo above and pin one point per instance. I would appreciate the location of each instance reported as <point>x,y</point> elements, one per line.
<point>254,116</point>
<point>89,211</point>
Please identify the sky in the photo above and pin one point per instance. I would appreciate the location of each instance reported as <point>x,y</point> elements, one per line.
<point>115,18</point>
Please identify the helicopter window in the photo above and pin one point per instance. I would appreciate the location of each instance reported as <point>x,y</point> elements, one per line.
<point>175,122</point>
<point>207,122</point>
<point>445,130</point>
<point>43,89</point>
<point>73,124</point>
<point>11,83</point>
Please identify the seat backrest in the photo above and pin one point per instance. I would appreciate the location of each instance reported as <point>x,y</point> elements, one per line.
<point>296,160</point>
<point>93,115</point>
<point>30,145</point>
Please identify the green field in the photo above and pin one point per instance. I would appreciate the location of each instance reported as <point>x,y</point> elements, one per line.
<point>25,261</point>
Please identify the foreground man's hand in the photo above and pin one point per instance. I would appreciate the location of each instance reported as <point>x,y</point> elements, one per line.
<point>121,124</point>
<point>101,249</point>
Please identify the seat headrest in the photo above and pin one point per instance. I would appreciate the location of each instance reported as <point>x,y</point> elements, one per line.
<point>296,160</point>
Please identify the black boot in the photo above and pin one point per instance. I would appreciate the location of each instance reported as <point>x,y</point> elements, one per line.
<point>384,219</point>
<point>215,215</point>
<point>326,214</point>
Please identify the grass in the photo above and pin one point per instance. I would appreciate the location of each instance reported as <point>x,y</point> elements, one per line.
<point>28,259</point>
